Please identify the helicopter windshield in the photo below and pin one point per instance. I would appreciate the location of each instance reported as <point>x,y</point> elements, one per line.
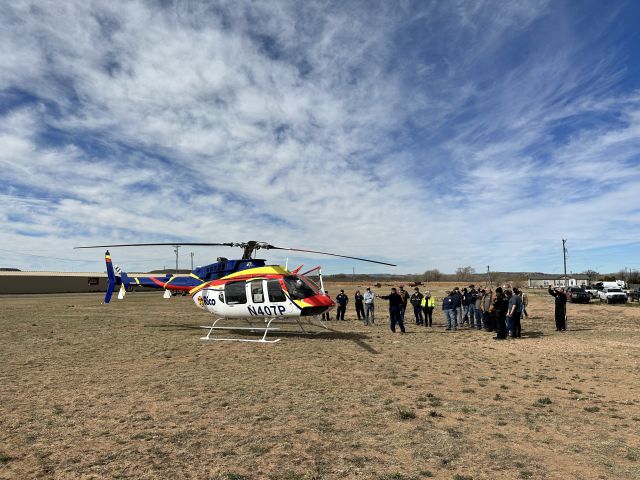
<point>297,288</point>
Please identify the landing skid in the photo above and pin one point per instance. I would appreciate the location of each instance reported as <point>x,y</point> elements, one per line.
<point>251,328</point>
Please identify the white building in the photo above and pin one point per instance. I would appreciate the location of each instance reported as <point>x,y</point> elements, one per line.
<point>545,281</point>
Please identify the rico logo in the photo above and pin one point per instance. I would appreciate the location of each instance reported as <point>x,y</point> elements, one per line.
<point>208,301</point>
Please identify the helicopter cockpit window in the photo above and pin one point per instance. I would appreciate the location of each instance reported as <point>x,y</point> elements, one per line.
<point>274,290</point>
<point>235,293</point>
<point>257,294</point>
<point>297,288</point>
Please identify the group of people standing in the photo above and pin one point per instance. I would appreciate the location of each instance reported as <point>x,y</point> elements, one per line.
<point>365,307</point>
<point>498,311</point>
<point>423,306</point>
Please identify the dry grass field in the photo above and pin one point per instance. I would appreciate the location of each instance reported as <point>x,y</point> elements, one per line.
<point>129,391</point>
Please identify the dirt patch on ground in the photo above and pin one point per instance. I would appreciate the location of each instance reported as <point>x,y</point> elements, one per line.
<point>129,391</point>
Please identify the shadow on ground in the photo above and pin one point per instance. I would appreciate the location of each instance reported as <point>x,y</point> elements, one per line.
<point>328,334</point>
<point>536,334</point>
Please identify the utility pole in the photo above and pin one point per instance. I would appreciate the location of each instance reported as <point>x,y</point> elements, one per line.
<point>564,255</point>
<point>176,250</point>
<point>489,276</point>
<point>192,261</point>
<point>353,275</point>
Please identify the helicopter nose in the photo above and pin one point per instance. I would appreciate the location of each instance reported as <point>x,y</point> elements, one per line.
<point>199,300</point>
<point>319,300</point>
<point>320,304</point>
<point>323,300</point>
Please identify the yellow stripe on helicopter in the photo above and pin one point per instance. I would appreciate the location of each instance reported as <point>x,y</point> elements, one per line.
<point>268,270</point>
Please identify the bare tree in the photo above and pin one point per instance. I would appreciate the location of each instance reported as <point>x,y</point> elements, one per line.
<point>464,273</point>
<point>622,274</point>
<point>433,275</point>
<point>591,275</point>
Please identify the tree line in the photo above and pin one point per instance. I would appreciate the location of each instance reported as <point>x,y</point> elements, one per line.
<point>469,275</point>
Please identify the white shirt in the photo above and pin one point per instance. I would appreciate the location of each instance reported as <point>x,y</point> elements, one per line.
<point>368,297</point>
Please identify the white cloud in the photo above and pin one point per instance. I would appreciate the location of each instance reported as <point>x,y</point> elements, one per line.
<point>326,128</point>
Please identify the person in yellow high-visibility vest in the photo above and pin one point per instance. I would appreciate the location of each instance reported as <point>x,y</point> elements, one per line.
<point>428,304</point>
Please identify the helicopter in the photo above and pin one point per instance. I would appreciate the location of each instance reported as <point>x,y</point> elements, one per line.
<point>245,288</point>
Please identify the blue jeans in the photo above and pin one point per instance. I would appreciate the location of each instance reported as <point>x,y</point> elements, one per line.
<point>478,318</point>
<point>452,318</point>
<point>368,313</point>
<point>470,313</point>
<point>509,325</point>
<point>403,308</point>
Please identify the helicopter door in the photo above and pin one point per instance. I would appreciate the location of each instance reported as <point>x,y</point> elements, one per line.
<point>235,297</point>
<point>274,291</point>
<point>267,302</point>
<point>257,291</point>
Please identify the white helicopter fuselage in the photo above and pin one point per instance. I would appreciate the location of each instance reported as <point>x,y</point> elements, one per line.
<point>212,300</point>
<point>262,292</point>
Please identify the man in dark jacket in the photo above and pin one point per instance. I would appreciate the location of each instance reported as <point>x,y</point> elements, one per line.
<point>499,310</point>
<point>471,297</point>
<point>485,306</point>
<point>416,303</point>
<point>561,308</point>
<point>341,300</point>
<point>405,300</point>
<point>456,292</point>
<point>395,303</point>
<point>450,306</point>
<point>468,305</point>
<point>325,315</point>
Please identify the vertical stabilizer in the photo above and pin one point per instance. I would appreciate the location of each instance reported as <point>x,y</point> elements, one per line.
<point>111,281</point>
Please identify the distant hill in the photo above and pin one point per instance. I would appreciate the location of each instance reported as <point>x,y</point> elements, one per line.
<point>9,269</point>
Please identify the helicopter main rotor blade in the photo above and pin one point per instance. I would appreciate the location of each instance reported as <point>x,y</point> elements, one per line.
<point>272,247</point>
<point>163,244</point>
<point>248,246</point>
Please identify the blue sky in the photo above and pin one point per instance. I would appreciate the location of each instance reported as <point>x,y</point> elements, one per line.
<point>429,134</point>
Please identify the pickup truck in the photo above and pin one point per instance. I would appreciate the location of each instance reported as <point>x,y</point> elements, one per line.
<point>577,295</point>
<point>612,295</point>
<point>592,290</point>
<point>634,295</point>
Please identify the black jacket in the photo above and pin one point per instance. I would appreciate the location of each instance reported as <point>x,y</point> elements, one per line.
<point>416,299</point>
<point>561,298</point>
<point>395,300</point>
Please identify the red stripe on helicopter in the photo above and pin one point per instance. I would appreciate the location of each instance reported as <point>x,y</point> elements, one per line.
<point>180,288</point>
<point>157,282</point>
<point>242,278</point>
<point>168,286</point>
<point>319,301</point>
